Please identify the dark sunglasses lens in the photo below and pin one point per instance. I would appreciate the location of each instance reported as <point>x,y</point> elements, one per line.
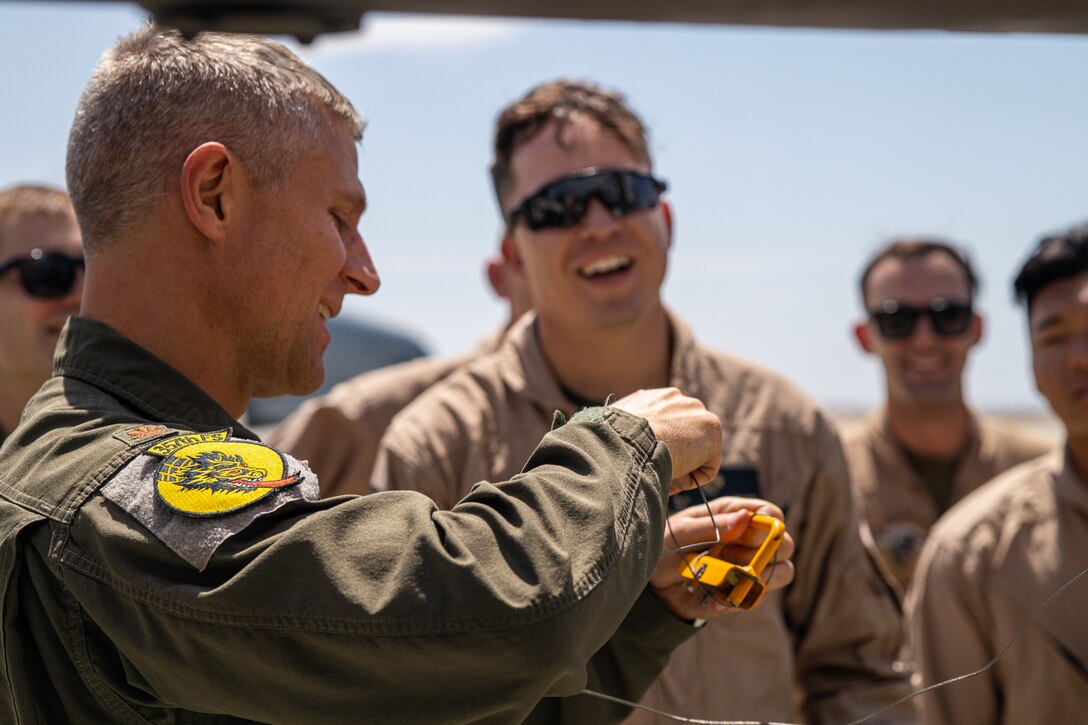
<point>50,276</point>
<point>951,320</point>
<point>564,203</point>
<point>896,325</point>
<point>544,211</point>
<point>643,192</point>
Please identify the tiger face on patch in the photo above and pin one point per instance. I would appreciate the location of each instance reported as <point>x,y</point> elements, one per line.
<point>208,474</point>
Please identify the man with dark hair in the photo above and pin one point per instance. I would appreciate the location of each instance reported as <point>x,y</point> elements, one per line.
<point>161,564</point>
<point>999,554</point>
<point>41,279</point>
<point>588,229</point>
<point>924,449</point>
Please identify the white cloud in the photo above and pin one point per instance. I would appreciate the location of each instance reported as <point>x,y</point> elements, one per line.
<point>383,33</point>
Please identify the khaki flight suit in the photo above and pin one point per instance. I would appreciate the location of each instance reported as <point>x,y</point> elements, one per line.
<point>895,501</point>
<point>338,433</point>
<point>990,562</point>
<point>120,607</point>
<point>835,630</point>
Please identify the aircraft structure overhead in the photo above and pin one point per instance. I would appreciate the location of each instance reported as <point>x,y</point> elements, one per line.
<point>306,19</point>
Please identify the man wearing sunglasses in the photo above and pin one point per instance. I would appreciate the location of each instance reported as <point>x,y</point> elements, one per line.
<point>1004,550</point>
<point>588,228</point>
<point>924,449</point>
<point>41,279</point>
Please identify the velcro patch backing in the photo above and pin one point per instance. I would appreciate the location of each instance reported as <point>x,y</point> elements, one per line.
<point>194,491</point>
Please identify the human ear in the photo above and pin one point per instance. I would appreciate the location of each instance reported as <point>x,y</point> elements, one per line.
<point>977,326</point>
<point>864,336</point>
<point>512,255</point>
<point>207,180</point>
<point>666,209</point>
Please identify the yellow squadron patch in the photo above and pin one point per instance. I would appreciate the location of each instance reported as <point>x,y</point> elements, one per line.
<point>208,474</point>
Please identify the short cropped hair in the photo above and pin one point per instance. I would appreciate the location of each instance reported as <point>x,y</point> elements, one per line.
<point>916,248</point>
<point>1056,257</point>
<point>156,96</point>
<point>560,101</point>
<point>29,200</point>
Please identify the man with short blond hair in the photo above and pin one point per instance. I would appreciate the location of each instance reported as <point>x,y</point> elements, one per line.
<point>924,449</point>
<point>161,564</point>
<point>588,229</point>
<point>41,279</point>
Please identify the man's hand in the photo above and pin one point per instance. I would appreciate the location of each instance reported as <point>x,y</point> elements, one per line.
<point>738,544</point>
<point>692,434</point>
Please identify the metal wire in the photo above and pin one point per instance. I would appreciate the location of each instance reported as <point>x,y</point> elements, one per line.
<point>680,718</point>
<point>702,544</point>
<point>988,665</point>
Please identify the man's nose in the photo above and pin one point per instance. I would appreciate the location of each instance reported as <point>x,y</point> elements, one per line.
<point>1078,354</point>
<point>599,221</point>
<point>359,273</point>
<point>923,330</point>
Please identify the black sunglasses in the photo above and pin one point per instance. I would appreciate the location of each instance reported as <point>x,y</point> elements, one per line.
<point>896,321</point>
<point>563,203</point>
<point>45,274</point>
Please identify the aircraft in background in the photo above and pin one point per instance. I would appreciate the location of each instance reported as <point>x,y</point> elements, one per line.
<point>307,19</point>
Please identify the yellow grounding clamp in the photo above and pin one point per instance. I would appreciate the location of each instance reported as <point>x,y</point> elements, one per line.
<point>736,585</point>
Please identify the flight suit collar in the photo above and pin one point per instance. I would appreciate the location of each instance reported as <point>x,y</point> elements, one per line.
<point>969,458</point>
<point>94,353</point>
<point>527,371</point>
<point>1069,487</point>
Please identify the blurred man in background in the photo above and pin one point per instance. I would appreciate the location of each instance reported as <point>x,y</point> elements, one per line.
<point>41,279</point>
<point>589,231</point>
<point>924,449</point>
<point>338,433</point>
<point>999,554</point>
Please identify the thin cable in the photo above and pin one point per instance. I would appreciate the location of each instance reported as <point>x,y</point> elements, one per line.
<point>988,665</point>
<point>699,545</point>
<point>680,718</point>
<point>708,591</point>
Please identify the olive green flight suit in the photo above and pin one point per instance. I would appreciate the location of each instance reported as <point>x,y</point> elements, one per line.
<point>118,608</point>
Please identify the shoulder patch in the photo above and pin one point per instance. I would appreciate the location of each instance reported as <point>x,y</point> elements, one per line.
<point>193,491</point>
<point>208,474</point>
<point>138,434</point>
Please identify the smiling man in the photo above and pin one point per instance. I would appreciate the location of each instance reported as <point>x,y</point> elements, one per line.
<point>41,280</point>
<point>588,228</point>
<point>999,554</point>
<point>161,564</point>
<point>924,449</point>
<point>338,434</point>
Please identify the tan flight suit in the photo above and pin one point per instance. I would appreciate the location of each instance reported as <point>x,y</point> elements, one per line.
<point>895,501</point>
<point>835,630</point>
<point>124,602</point>
<point>338,433</point>
<point>990,562</point>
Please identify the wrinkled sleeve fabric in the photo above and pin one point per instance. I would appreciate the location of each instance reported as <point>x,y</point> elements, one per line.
<point>949,637</point>
<point>438,446</point>
<point>848,624</point>
<point>382,607</point>
<point>624,668</point>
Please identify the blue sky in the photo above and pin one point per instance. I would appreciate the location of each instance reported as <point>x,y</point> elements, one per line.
<point>790,154</point>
